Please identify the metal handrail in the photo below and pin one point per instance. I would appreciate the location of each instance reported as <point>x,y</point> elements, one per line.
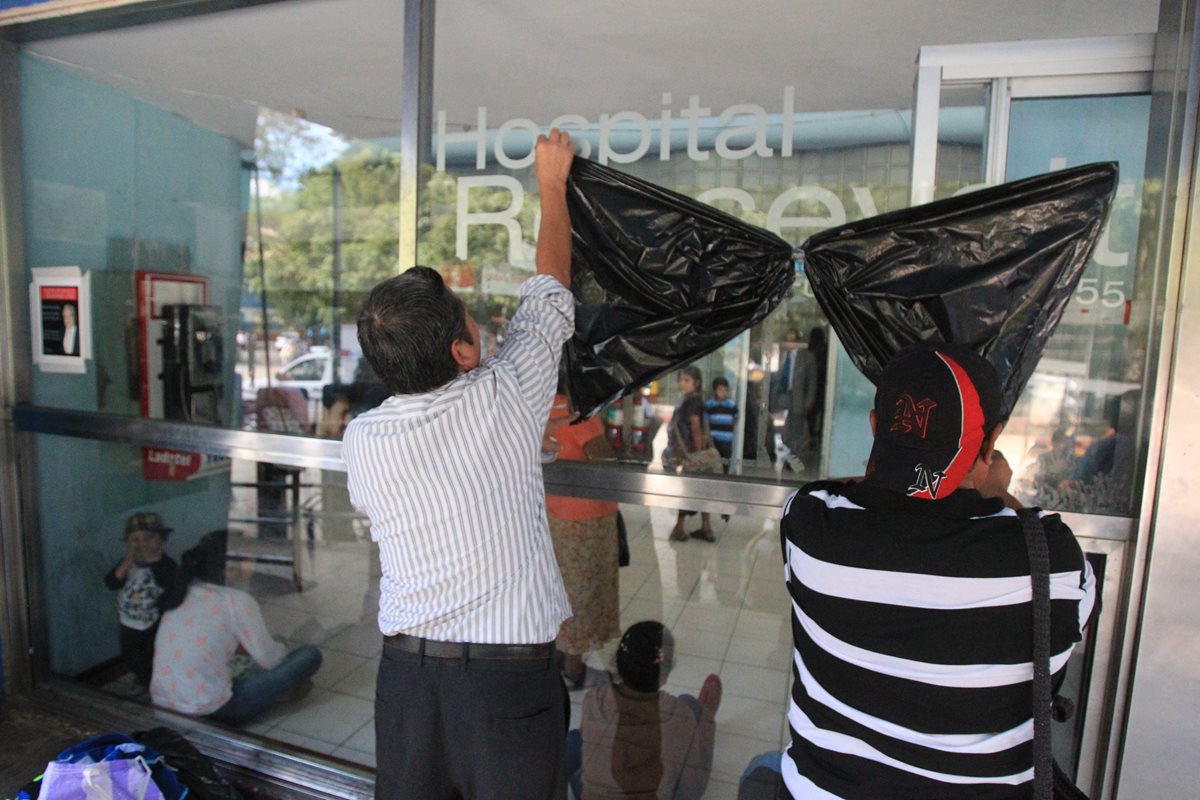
<point>616,481</point>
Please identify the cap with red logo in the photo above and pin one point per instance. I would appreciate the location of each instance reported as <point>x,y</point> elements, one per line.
<point>934,405</point>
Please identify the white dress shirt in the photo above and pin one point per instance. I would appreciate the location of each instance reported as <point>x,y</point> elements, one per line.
<point>452,483</point>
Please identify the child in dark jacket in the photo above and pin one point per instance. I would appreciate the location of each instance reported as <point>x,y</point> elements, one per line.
<point>141,578</point>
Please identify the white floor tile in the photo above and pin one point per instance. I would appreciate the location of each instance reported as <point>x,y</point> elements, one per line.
<point>750,717</point>
<point>360,682</point>
<point>359,640</point>
<point>280,711</point>
<point>331,717</point>
<point>696,642</point>
<point>690,672</point>
<point>355,756</point>
<point>336,665</point>
<point>363,739</point>
<point>756,682</point>
<point>761,625</point>
<point>708,618</point>
<point>719,591</point>
<point>778,604</point>
<point>299,740</point>
<point>666,612</point>
<point>258,727</point>
<point>772,654</point>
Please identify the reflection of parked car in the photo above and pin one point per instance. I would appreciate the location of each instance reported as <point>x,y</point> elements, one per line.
<point>310,372</point>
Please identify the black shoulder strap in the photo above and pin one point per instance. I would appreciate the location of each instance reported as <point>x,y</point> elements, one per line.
<point>1039,571</point>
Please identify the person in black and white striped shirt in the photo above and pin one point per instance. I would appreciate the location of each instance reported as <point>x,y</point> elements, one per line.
<point>469,699</point>
<point>911,603</point>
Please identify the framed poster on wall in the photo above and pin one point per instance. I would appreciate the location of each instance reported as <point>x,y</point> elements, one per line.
<point>60,319</point>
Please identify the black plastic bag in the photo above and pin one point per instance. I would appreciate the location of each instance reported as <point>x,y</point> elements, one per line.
<point>193,769</point>
<point>993,270</point>
<point>660,280</point>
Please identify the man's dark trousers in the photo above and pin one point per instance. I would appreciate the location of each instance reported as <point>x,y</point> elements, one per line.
<point>479,728</point>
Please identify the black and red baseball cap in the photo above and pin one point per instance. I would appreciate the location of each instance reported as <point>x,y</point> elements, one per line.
<point>934,405</point>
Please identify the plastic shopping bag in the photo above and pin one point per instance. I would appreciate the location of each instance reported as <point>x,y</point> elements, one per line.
<point>108,767</point>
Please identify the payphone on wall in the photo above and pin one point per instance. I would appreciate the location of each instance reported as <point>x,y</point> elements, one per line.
<point>181,356</point>
<point>192,358</point>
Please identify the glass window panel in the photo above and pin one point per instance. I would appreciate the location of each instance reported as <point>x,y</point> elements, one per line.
<point>962,131</point>
<point>308,177</point>
<point>294,544</point>
<point>1077,431</point>
<point>329,205</point>
<point>224,191</point>
<point>288,538</point>
<point>285,536</point>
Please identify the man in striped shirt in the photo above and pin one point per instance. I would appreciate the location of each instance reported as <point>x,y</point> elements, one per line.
<point>911,602</point>
<point>469,700</point>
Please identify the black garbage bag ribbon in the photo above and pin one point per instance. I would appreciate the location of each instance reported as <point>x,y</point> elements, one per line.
<point>660,280</point>
<point>993,269</point>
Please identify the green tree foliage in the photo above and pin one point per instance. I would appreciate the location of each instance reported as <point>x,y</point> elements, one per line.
<point>299,233</point>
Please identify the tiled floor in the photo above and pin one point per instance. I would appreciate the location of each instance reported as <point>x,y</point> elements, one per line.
<point>725,602</point>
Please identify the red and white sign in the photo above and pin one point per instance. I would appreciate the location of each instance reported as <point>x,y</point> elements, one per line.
<point>164,464</point>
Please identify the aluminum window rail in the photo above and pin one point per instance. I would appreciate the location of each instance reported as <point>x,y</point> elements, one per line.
<point>755,497</point>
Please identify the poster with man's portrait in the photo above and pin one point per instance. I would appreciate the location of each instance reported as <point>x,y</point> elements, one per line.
<point>59,319</point>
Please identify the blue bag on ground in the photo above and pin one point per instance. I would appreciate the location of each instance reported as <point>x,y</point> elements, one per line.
<point>108,767</point>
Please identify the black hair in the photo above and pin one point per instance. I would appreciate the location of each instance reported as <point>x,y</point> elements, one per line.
<point>645,655</point>
<point>203,562</point>
<point>693,372</point>
<point>719,382</point>
<point>407,327</point>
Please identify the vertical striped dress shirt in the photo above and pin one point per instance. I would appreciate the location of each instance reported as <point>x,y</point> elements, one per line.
<point>912,622</point>
<point>452,483</point>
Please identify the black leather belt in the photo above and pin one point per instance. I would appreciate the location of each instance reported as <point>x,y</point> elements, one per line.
<point>466,650</point>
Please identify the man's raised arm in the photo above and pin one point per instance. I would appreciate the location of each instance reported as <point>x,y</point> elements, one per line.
<point>554,155</point>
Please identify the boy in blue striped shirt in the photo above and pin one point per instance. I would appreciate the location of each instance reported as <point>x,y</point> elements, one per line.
<point>722,415</point>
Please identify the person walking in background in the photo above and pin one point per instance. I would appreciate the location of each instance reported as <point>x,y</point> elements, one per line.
<point>637,741</point>
<point>797,398</point>
<point>781,380</point>
<point>819,347</point>
<point>585,545</point>
<point>689,440</point>
<point>722,414</point>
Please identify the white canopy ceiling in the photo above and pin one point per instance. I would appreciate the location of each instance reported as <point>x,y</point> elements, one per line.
<point>339,60</point>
